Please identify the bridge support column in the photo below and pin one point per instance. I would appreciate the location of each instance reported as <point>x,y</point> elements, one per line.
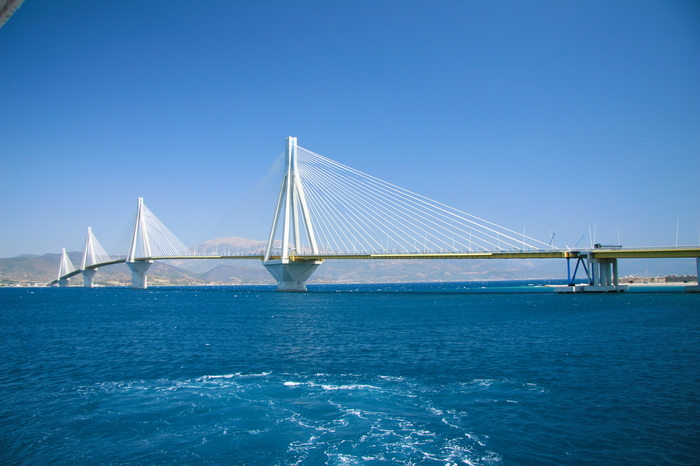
<point>88,278</point>
<point>291,275</point>
<point>604,276</point>
<point>63,282</point>
<point>139,279</point>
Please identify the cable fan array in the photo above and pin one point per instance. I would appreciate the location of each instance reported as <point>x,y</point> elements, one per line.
<point>93,253</point>
<point>66,266</point>
<point>153,238</point>
<point>353,212</point>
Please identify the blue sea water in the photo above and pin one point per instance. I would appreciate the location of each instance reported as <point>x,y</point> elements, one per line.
<point>471,373</point>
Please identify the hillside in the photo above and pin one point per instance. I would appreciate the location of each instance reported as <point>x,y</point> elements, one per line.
<point>43,269</point>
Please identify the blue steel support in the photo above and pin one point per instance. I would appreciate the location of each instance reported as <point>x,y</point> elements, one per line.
<point>586,269</point>
<point>572,279</point>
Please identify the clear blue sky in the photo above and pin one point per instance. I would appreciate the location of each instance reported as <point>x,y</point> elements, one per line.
<point>562,114</point>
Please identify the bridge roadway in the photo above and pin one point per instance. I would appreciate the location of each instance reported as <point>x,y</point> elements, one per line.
<point>598,253</point>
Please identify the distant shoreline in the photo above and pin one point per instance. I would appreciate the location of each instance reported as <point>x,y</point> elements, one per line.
<point>668,280</point>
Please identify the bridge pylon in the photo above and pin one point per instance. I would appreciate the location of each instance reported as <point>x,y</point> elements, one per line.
<point>64,268</point>
<point>293,215</point>
<point>139,240</point>
<point>93,253</point>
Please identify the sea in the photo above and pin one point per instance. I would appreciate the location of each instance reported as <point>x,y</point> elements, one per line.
<point>479,373</point>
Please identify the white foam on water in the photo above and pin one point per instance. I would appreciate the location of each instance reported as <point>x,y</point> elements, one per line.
<point>481,382</point>
<point>320,426</point>
<point>215,377</point>
<point>262,374</point>
<point>302,448</point>
<point>354,412</point>
<point>238,375</point>
<point>348,387</point>
<point>336,419</point>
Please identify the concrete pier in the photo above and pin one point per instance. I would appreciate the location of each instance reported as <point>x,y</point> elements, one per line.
<point>88,278</point>
<point>291,275</point>
<point>590,288</point>
<point>139,278</point>
<point>603,277</point>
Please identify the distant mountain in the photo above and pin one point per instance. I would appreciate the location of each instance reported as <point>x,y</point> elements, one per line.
<point>228,275</point>
<point>201,266</point>
<point>31,269</point>
<point>230,246</point>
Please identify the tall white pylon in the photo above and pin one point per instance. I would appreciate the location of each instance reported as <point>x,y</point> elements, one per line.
<point>290,202</point>
<point>139,279</point>
<point>140,234</point>
<point>64,268</point>
<point>151,239</point>
<point>93,254</point>
<point>293,211</point>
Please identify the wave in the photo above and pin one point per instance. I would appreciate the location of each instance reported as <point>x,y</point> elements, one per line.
<point>286,418</point>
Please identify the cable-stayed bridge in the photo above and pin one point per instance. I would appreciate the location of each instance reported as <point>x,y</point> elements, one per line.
<point>325,210</point>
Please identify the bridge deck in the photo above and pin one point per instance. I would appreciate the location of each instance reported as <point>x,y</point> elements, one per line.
<point>645,253</point>
<point>611,253</point>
